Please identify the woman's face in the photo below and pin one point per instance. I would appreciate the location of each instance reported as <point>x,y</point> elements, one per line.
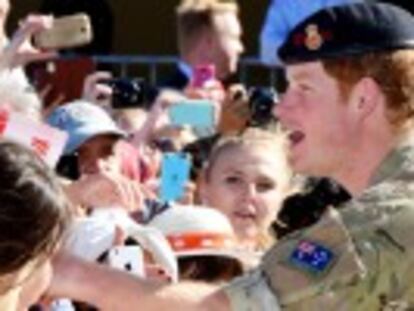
<point>247,183</point>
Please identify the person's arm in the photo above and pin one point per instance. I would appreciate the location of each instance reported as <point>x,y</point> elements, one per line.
<point>96,92</point>
<point>156,115</point>
<point>110,289</point>
<point>105,190</point>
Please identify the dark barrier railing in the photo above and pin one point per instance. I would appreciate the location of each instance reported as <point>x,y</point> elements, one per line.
<point>154,62</point>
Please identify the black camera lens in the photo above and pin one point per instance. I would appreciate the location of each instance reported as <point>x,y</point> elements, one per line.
<point>128,93</point>
<point>261,103</point>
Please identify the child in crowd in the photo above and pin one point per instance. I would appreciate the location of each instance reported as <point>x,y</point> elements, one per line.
<point>107,171</point>
<point>247,177</point>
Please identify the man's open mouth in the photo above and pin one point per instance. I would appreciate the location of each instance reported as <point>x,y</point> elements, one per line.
<point>295,137</point>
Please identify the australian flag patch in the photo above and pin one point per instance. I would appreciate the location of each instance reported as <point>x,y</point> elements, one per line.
<point>312,257</point>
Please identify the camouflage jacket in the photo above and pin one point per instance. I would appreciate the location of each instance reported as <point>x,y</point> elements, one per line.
<point>360,257</point>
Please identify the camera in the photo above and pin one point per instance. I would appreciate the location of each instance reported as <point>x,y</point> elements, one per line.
<point>130,93</point>
<point>261,103</point>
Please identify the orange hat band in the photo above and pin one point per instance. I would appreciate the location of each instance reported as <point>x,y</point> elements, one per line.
<point>200,240</point>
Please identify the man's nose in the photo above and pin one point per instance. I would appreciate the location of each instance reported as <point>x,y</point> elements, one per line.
<point>282,107</point>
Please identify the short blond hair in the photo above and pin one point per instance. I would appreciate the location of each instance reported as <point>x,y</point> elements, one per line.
<point>207,5</point>
<point>250,137</point>
<point>196,16</point>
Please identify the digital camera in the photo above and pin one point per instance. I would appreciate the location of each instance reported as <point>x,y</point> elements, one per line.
<point>129,93</point>
<point>261,103</point>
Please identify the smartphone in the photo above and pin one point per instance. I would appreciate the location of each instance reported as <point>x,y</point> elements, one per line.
<point>66,32</point>
<point>127,258</point>
<point>175,173</point>
<point>198,113</point>
<point>202,74</point>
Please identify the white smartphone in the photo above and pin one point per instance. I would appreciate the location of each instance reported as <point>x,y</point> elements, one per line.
<point>66,32</point>
<point>127,258</point>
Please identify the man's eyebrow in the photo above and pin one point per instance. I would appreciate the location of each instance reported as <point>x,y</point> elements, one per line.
<point>301,75</point>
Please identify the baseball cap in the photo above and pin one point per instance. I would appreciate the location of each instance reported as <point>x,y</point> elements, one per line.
<point>348,30</point>
<point>82,121</point>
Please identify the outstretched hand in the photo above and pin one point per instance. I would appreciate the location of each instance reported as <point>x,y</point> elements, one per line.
<point>19,51</point>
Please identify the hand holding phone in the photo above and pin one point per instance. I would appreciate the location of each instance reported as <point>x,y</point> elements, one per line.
<point>175,173</point>
<point>127,258</point>
<point>127,93</point>
<point>66,32</point>
<point>202,74</point>
<point>96,92</point>
<point>205,85</point>
<point>18,52</point>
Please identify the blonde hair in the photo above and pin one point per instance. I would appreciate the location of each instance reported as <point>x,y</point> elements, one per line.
<point>196,16</point>
<point>250,137</point>
<point>207,5</point>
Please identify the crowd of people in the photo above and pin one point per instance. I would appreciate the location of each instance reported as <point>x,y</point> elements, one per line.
<point>301,202</point>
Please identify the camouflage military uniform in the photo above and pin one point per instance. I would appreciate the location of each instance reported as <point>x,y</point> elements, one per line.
<point>360,257</point>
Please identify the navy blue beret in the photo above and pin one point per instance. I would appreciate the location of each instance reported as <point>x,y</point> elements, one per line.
<point>347,30</point>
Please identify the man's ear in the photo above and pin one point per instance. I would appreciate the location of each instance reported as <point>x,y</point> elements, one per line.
<point>365,97</point>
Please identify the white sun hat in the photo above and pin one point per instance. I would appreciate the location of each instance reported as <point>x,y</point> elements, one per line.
<point>197,231</point>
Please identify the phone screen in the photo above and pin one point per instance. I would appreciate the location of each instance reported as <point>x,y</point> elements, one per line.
<point>127,258</point>
<point>175,172</point>
<point>196,113</point>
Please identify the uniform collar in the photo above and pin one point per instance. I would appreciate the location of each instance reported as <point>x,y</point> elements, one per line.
<point>395,161</point>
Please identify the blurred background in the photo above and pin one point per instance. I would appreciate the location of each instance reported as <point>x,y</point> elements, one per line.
<point>147,28</point>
